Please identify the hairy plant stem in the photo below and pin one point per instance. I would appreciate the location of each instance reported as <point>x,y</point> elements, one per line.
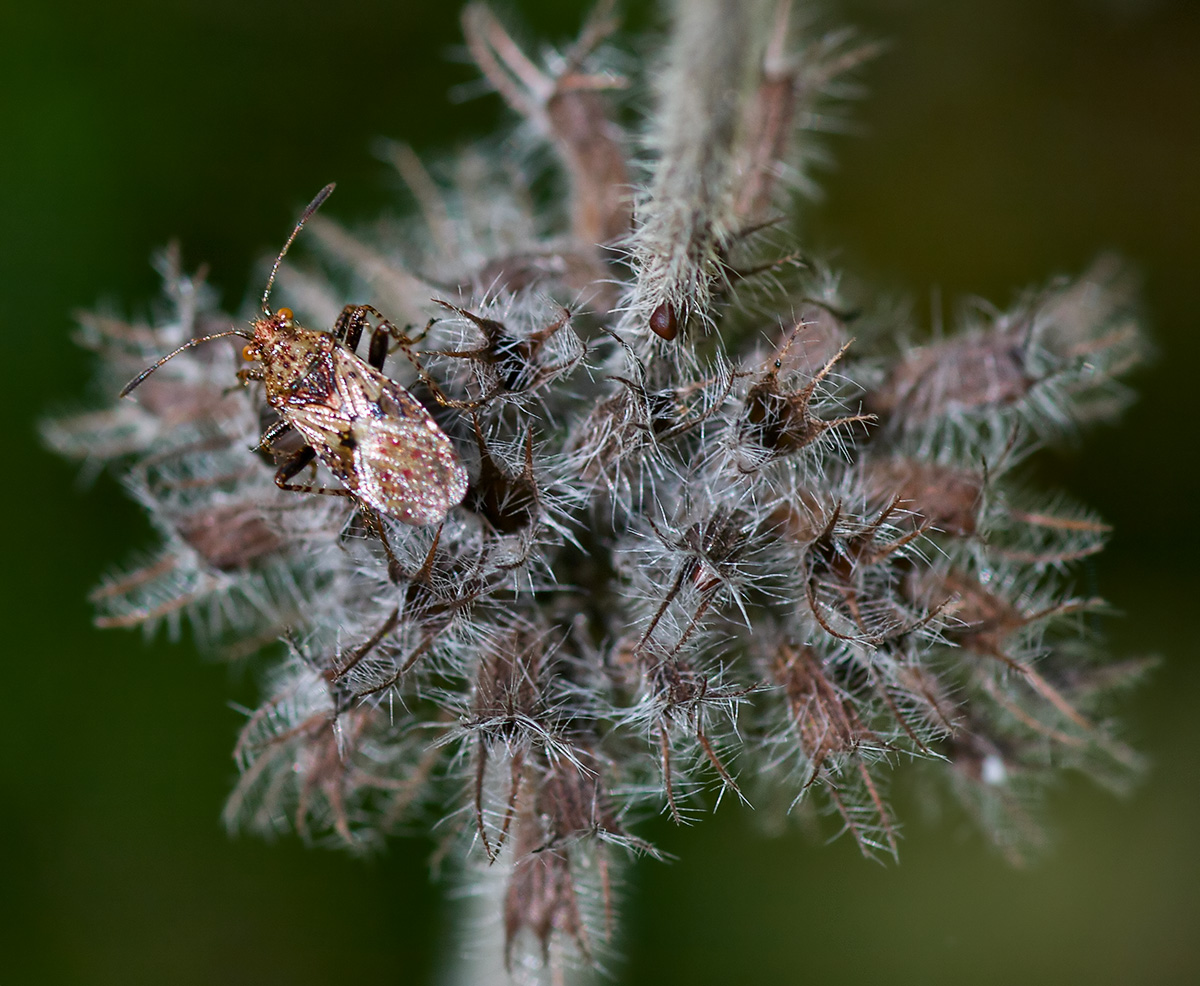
<point>715,48</point>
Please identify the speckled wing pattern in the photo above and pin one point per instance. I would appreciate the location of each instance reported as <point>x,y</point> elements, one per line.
<point>382,444</point>
<point>408,470</point>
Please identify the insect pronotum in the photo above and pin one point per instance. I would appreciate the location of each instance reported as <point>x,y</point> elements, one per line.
<point>373,435</point>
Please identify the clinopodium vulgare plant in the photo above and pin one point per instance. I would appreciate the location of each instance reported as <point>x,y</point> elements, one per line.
<point>698,524</point>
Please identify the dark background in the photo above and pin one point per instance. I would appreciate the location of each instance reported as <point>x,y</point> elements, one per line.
<point>1003,141</point>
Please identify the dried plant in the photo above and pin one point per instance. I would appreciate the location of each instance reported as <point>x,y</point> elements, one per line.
<point>728,531</point>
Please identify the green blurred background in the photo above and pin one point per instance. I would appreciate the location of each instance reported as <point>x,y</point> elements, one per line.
<point>1002,141</point>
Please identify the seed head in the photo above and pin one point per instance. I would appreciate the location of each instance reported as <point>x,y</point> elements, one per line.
<point>684,519</point>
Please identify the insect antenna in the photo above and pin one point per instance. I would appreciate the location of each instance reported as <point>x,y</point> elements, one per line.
<point>125,391</point>
<point>313,206</point>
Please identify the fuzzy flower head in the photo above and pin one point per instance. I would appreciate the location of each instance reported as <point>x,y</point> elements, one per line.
<point>549,513</point>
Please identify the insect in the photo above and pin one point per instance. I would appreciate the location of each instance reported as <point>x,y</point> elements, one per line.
<point>373,435</point>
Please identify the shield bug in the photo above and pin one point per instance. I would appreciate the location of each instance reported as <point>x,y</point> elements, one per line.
<point>373,435</point>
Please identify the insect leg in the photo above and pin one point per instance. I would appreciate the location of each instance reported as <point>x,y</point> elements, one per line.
<point>280,427</point>
<point>445,401</point>
<point>294,465</point>
<point>375,524</point>
<point>348,328</point>
<point>353,320</point>
<point>400,335</point>
<point>423,333</point>
<point>438,393</point>
<point>304,458</point>
<point>386,330</point>
<point>378,351</point>
<point>245,376</point>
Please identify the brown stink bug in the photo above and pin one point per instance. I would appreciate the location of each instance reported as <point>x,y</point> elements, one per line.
<point>373,435</point>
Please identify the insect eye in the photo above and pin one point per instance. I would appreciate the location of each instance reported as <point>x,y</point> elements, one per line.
<point>284,314</point>
<point>248,354</point>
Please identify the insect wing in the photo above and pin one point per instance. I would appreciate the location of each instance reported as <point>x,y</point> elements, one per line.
<point>404,464</point>
<point>408,469</point>
<point>329,431</point>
